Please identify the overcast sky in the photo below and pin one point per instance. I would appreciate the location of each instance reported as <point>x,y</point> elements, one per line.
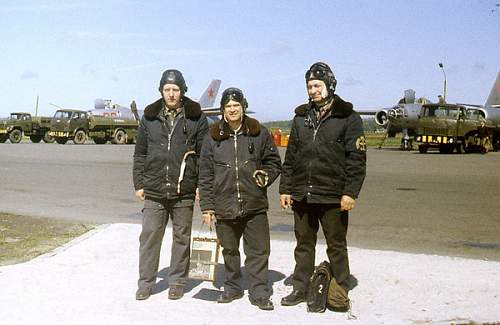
<point>72,52</point>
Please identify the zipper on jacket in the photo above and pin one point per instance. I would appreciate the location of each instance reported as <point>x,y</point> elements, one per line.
<point>315,132</point>
<point>169,141</point>
<point>235,136</point>
<point>170,133</point>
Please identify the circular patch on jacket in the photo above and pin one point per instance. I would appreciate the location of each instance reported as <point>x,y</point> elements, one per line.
<point>361,143</point>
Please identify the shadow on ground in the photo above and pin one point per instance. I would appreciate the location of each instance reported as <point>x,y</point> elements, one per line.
<point>212,294</point>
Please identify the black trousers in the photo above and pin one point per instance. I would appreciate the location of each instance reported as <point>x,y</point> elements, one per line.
<point>334,224</point>
<point>256,245</point>
<point>155,218</point>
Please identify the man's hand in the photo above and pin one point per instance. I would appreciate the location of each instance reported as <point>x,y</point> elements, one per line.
<point>286,201</point>
<point>140,194</point>
<point>208,218</point>
<point>346,203</point>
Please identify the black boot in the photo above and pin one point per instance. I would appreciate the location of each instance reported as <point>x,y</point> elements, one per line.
<point>263,303</point>
<point>227,297</point>
<point>175,292</point>
<point>143,293</point>
<point>295,298</point>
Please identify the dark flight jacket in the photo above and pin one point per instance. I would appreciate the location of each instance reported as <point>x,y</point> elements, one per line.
<point>160,150</point>
<point>325,161</point>
<point>227,164</point>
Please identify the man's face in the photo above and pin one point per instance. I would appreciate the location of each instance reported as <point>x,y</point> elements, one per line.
<point>233,111</point>
<point>171,95</point>
<point>316,90</point>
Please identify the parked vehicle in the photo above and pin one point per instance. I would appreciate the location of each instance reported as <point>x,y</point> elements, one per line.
<point>23,124</point>
<point>79,126</point>
<point>448,127</point>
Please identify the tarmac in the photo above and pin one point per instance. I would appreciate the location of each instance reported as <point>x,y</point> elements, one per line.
<point>93,279</point>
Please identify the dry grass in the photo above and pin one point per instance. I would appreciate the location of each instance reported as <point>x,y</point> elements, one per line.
<point>23,238</point>
<point>373,140</point>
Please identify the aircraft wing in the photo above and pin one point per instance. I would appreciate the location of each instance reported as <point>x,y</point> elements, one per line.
<point>471,105</point>
<point>367,112</point>
<point>212,112</point>
<point>217,112</point>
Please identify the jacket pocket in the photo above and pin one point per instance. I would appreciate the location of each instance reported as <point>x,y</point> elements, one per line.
<point>224,178</point>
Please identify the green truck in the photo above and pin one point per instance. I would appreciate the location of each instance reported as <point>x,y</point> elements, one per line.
<point>78,126</point>
<point>448,127</point>
<point>23,124</point>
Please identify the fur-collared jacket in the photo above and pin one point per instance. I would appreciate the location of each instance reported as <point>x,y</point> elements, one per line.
<point>227,164</point>
<point>326,159</point>
<point>161,149</point>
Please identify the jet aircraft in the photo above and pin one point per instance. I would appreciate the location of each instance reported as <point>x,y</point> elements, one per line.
<point>104,107</point>
<point>404,116</point>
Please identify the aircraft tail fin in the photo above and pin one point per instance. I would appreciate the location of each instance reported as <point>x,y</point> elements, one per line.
<point>494,96</point>
<point>207,98</point>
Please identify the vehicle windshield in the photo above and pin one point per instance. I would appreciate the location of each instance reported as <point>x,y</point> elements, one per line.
<point>15,116</point>
<point>62,115</point>
<point>474,114</point>
<point>441,112</point>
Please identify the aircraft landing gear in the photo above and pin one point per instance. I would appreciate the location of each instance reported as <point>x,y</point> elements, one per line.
<point>406,144</point>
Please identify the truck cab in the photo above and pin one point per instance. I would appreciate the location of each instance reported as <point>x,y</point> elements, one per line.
<point>70,124</point>
<point>20,117</point>
<point>446,127</point>
<point>21,124</point>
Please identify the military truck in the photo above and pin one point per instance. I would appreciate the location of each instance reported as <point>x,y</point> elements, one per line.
<point>23,124</point>
<point>77,125</point>
<point>448,127</point>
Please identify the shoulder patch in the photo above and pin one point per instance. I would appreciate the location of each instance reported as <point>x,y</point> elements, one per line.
<point>361,143</point>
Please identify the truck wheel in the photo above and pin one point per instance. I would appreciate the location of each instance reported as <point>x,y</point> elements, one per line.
<point>422,148</point>
<point>3,138</point>
<point>35,138</point>
<point>99,140</point>
<point>47,138</point>
<point>61,140</point>
<point>120,137</point>
<point>80,137</point>
<point>15,136</point>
